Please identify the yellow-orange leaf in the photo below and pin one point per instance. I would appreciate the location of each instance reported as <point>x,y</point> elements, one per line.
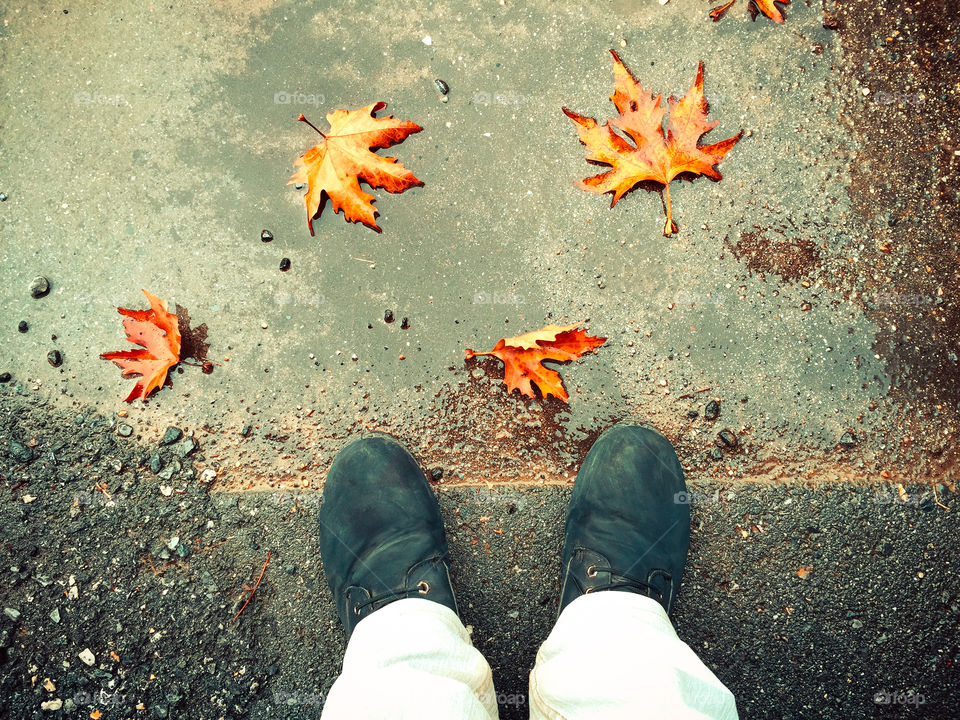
<point>157,332</point>
<point>767,7</point>
<point>334,167</point>
<point>522,358</point>
<point>648,155</point>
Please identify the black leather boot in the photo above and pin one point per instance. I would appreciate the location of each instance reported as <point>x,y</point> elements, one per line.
<point>381,535</point>
<point>628,524</point>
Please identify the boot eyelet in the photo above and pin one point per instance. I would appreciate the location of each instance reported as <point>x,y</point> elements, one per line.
<point>592,571</point>
<point>588,591</point>
<point>356,610</point>
<point>423,587</point>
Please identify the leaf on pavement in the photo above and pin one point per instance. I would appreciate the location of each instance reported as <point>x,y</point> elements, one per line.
<point>522,357</point>
<point>334,167</point>
<point>767,7</point>
<point>648,155</point>
<point>157,332</point>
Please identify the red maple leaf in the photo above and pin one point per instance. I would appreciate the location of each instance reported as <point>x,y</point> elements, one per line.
<point>522,357</point>
<point>157,332</point>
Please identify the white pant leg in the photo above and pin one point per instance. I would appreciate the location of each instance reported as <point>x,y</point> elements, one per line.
<point>412,659</point>
<point>615,655</point>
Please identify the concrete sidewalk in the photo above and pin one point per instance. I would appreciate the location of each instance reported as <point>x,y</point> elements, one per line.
<point>811,291</point>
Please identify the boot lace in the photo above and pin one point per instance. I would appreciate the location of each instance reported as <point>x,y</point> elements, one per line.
<point>626,581</point>
<point>421,588</point>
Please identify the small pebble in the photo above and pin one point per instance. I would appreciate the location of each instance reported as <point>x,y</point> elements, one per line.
<point>87,656</point>
<point>442,87</point>
<point>436,474</point>
<point>284,264</point>
<point>848,439</point>
<point>12,613</point>
<point>712,411</point>
<point>388,316</point>
<point>266,235</point>
<point>124,430</point>
<point>39,287</point>
<point>186,447</point>
<point>55,358</point>
<point>22,326</point>
<point>405,324</point>
<point>3,197</point>
<point>726,438</point>
<point>5,377</point>
<point>298,186</point>
<point>171,435</point>
<point>19,452</point>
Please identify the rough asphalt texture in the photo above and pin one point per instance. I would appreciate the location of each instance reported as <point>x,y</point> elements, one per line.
<point>812,291</point>
<point>807,602</point>
<point>811,294</point>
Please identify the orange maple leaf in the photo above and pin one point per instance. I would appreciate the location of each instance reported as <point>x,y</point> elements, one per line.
<point>157,331</point>
<point>650,156</point>
<point>334,167</point>
<point>522,357</point>
<point>767,7</point>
